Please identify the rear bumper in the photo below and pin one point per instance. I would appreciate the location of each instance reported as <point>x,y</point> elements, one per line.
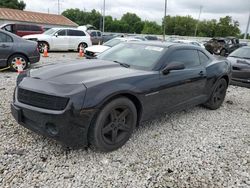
<point>67,127</point>
<point>34,59</point>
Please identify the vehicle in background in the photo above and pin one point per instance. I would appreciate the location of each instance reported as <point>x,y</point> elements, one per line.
<point>93,51</point>
<point>96,36</point>
<point>13,48</point>
<point>189,42</point>
<point>99,103</point>
<point>240,60</point>
<point>147,38</point>
<point>22,29</point>
<point>106,37</point>
<point>61,39</point>
<point>222,46</point>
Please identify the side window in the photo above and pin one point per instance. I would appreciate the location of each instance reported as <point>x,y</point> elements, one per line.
<point>62,33</point>
<point>93,34</point>
<point>5,38</point>
<point>203,58</point>
<point>99,34</point>
<point>190,58</point>
<point>76,33</point>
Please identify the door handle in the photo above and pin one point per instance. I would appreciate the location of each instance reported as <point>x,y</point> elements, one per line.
<point>201,73</point>
<point>4,46</point>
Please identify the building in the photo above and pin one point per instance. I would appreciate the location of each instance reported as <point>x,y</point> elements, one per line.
<point>27,17</point>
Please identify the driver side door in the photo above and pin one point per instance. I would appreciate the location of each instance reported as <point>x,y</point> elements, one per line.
<point>60,40</point>
<point>181,88</point>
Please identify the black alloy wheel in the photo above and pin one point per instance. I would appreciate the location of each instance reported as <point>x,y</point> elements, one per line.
<point>114,125</point>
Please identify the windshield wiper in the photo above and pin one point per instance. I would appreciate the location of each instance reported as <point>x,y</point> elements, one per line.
<point>234,56</point>
<point>246,57</point>
<point>122,64</point>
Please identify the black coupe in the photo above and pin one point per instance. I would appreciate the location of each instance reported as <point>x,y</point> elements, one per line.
<point>100,102</point>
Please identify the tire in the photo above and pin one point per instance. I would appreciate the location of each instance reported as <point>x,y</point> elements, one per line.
<point>113,125</point>
<point>12,62</point>
<point>84,45</point>
<point>218,95</point>
<point>41,46</point>
<point>223,52</point>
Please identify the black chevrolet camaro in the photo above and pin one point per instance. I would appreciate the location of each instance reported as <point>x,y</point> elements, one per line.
<point>100,102</point>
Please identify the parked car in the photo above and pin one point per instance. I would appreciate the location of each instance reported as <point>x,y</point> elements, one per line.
<point>100,102</point>
<point>13,48</point>
<point>240,60</point>
<point>22,29</point>
<point>96,36</point>
<point>222,46</point>
<point>61,39</point>
<point>93,51</point>
<point>190,42</point>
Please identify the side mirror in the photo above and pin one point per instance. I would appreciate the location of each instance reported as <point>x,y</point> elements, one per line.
<point>56,35</point>
<point>173,66</point>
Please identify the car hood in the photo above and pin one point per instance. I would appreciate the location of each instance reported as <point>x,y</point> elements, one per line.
<point>97,48</point>
<point>87,72</point>
<point>35,36</point>
<point>239,62</point>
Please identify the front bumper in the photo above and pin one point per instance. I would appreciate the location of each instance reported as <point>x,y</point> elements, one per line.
<point>66,127</point>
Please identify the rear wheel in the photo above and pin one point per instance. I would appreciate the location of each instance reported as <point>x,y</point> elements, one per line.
<point>218,95</point>
<point>13,62</point>
<point>113,126</point>
<point>84,45</point>
<point>223,52</point>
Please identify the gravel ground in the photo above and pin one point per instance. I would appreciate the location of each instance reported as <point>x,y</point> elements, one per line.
<point>193,148</point>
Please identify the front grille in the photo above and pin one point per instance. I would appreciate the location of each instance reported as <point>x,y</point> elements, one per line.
<point>41,100</point>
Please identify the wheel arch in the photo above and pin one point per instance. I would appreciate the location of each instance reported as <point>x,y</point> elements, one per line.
<point>20,53</point>
<point>136,101</point>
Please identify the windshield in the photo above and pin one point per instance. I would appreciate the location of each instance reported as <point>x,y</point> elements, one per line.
<point>141,56</point>
<point>241,53</point>
<point>112,42</point>
<point>49,32</point>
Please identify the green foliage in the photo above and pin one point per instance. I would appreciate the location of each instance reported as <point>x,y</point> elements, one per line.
<point>185,26</point>
<point>175,25</point>
<point>14,4</point>
<point>151,27</point>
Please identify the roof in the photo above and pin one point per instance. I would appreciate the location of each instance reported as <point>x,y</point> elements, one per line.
<point>35,17</point>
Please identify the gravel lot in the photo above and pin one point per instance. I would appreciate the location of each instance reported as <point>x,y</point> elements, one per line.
<point>193,148</point>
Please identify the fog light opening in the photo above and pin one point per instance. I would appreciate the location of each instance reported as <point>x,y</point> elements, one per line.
<point>52,129</point>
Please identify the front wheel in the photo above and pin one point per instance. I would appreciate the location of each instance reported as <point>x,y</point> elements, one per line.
<point>218,95</point>
<point>113,126</point>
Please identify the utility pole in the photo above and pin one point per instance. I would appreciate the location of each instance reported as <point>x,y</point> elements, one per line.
<point>103,16</point>
<point>248,23</point>
<point>196,28</point>
<point>164,21</point>
<point>58,4</point>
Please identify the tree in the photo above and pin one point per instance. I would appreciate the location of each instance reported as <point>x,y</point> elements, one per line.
<point>151,28</point>
<point>133,21</point>
<point>14,4</point>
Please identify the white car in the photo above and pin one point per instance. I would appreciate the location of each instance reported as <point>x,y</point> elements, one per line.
<point>93,51</point>
<point>61,39</point>
<point>190,42</point>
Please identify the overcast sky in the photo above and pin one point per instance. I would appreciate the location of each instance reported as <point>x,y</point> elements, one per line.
<point>153,10</point>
